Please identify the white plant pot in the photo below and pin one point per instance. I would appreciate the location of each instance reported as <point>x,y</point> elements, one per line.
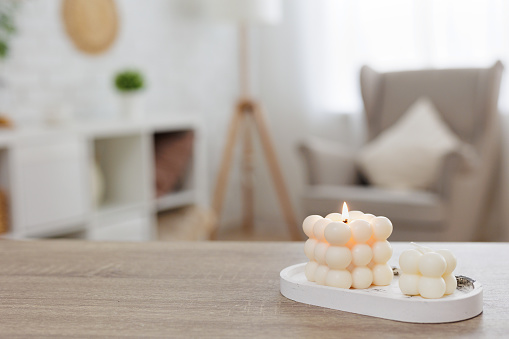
<point>132,105</point>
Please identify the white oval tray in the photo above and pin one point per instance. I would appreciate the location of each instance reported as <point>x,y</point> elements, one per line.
<point>385,302</point>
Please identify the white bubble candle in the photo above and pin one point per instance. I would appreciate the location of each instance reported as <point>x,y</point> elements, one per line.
<point>348,249</point>
<point>427,273</point>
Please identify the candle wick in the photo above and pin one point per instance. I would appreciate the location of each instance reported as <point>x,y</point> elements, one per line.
<point>345,221</point>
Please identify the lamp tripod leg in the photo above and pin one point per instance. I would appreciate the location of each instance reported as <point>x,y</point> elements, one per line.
<point>275,171</point>
<point>247,177</point>
<point>224,170</point>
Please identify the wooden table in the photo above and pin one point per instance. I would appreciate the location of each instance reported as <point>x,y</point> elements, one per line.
<point>84,289</point>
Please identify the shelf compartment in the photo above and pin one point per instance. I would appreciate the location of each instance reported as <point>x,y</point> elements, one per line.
<point>120,161</point>
<point>173,162</point>
<point>175,200</point>
<point>48,186</point>
<point>128,224</point>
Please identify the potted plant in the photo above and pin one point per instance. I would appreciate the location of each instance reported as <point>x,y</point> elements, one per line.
<point>7,26</point>
<point>129,84</point>
<point>7,30</point>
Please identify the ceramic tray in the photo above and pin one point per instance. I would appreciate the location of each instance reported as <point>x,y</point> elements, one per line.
<point>384,301</point>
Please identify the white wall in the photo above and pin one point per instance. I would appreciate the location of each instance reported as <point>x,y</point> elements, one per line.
<point>182,57</point>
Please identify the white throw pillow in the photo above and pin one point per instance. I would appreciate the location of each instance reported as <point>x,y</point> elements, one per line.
<point>408,154</point>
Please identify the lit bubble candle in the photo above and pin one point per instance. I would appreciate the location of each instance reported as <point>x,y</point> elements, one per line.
<point>348,249</point>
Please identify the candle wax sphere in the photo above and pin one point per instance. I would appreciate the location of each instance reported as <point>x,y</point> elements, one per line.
<point>309,248</point>
<point>351,243</point>
<point>368,217</point>
<point>334,216</point>
<point>320,250</point>
<point>351,267</point>
<point>371,264</point>
<point>319,228</point>
<point>450,283</point>
<point>382,227</point>
<point>382,251</point>
<point>409,283</point>
<point>431,288</point>
<point>409,261</point>
<point>362,277</point>
<point>339,278</point>
<point>432,264</point>
<point>321,274</point>
<point>338,257</point>
<point>337,233</point>
<point>310,270</point>
<point>361,230</point>
<point>382,275</point>
<point>371,240</point>
<point>361,254</point>
<point>309,222</point>
<point>450,259</point>
<point>354,215</point>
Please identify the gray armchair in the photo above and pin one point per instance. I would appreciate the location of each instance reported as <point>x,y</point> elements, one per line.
<point>453,209</point>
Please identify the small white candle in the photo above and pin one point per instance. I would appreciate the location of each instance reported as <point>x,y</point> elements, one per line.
<point>427,273</point>
<point>450,279</point>
<point>431,288</point>
<point>409,283</point>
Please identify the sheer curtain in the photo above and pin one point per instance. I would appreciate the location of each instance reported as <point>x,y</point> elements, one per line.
<point>341,35</point>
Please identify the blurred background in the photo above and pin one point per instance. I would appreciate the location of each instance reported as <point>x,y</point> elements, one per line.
<point>115,116</point>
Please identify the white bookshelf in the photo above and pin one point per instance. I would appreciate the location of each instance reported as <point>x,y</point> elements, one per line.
<point>175,200</point>
<point>47,175</point>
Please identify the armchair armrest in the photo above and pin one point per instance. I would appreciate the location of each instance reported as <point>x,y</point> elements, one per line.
<point>328,163</point>
<point>458,162</point>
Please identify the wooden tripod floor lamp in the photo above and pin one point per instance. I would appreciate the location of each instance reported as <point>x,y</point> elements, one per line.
<point>249,118</point>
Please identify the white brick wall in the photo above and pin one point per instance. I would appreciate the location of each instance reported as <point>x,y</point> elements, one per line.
<point>44,70</point>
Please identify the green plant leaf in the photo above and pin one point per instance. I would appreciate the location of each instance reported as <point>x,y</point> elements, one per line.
<point>129,80</point>
<point>4,49</point>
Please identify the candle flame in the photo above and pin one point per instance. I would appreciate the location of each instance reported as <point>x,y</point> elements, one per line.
<point>344,213</point>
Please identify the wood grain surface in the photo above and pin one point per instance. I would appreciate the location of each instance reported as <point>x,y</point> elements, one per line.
<point>204,289</point>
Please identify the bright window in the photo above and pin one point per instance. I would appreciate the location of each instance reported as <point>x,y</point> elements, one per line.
<point>395,35</point>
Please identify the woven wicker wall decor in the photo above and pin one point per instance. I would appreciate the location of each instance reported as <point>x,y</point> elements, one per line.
<point>92,25</point>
